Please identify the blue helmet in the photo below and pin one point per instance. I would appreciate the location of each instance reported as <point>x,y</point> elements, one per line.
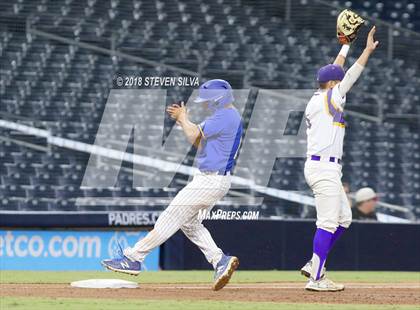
<point>217,93</point>
<point>330,72</point>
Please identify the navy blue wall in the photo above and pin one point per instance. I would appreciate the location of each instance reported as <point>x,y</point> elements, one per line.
<point>288,244</point>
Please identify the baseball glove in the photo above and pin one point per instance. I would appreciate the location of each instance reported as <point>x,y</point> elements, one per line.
<point>348,25</point>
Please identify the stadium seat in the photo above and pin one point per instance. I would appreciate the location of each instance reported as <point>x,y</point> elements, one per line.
<point>63,88</point>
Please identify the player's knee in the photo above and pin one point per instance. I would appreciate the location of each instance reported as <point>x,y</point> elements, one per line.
<point>186,228</point>
<point>189,227</point>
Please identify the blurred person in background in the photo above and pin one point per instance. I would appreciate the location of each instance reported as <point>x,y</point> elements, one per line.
<point>366,200</point>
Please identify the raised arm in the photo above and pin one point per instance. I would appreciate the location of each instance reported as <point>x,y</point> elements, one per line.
<point>191,130</point>
<point>371,45</point>
<point>356,69</point>
<point>341,57</point>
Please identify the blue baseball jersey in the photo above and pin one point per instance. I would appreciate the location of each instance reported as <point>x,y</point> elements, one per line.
<point>221,136</point>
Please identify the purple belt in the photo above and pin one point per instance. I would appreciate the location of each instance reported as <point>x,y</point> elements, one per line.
<point>332,159</point>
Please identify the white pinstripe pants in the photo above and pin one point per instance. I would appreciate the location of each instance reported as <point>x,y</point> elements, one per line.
<point>182,213</point>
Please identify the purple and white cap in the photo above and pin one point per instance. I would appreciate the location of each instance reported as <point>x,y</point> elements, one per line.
<point>330,72</point>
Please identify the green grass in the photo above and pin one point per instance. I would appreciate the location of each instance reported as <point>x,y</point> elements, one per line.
<point>202,276</point>
<point>188,277</point>
<point>92,304</point>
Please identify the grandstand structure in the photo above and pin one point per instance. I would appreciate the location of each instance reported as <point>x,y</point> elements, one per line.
<point>60,59</point>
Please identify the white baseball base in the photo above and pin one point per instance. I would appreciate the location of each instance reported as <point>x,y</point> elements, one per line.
<point>104,283</point>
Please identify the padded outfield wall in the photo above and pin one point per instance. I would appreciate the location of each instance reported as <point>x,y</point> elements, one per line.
<point>264,244</point>
<point>287,245</point>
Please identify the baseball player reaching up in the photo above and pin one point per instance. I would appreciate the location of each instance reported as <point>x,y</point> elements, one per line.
<point>325,131</point>
<point>217,139</point>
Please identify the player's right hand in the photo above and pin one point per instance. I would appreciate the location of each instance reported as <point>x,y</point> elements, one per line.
<point>176,111</point>
<point>371,44</point>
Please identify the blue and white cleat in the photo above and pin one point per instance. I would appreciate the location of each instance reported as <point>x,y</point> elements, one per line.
<point>224,270</point>
<point>122,264</point>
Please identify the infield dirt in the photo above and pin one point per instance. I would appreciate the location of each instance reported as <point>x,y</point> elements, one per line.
<point>290,292</point>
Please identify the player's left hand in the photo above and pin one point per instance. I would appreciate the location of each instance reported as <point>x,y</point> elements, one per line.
<point>371,44</point>
<point>177,111</point>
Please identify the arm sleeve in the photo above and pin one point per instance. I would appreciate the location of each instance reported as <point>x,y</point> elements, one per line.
<point>211,126</point>
<point>350,78</point>
<point>335,98</point>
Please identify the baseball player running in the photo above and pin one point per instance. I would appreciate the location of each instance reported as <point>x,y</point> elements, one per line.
<point>217,139</point>
<point>325,131</point>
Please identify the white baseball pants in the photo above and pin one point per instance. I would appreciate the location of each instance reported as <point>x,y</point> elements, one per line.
<point>332,206</point>
<point>182,213</point>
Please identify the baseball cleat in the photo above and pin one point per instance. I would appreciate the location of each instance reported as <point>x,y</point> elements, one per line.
<point>123,264</point>
<point>323,285</point>
<point>224,270</point>
<point>306,270</point>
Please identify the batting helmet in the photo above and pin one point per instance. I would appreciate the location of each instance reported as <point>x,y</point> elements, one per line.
<point>217,93</point>
<point>330,73</point>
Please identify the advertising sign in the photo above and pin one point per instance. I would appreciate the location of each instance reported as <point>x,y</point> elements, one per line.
<point>65,250</point>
